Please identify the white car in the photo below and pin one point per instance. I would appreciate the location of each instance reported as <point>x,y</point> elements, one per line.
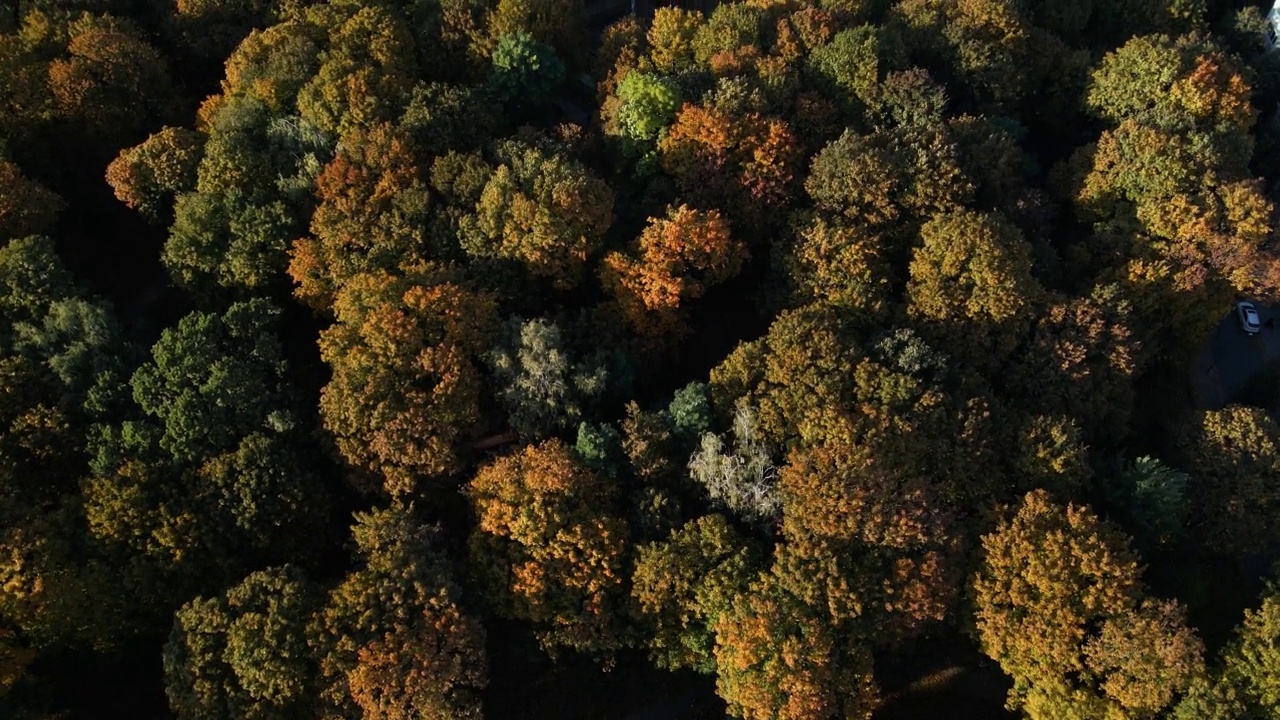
<point>1248,316</point>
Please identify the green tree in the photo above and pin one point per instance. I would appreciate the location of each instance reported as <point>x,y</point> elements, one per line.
<point>1153,497</point>
<point>244,654</point>
<point>214,379</point>
<point>639,113</point>
<point>560,24</point>
<point>525,72</point>
<point>848,68</point>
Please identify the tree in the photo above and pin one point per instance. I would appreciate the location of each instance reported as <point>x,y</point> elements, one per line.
<point>728,29</point>
<point>1060,607</point>
<point>1081,361</point>
<point>111,81</point>
<point>244,654</point>
<point>849,66</point>
<point>1171,82</point>
<point>869,538</point>
<point>683,584</point>
<point>875,179</point>
<point>640,112</point>
<point>215,379</point>
<point>542,210</point>
<point>394,639</point>
<point>26,207</point>
<point>371,216</point>
<point>14,659</point>
<point>1250,678</point>
<point>542,388</point>
<point>1177,164</point>
<point>674,260</point>
<point>971,267</point>
<point>442,117</point>
<point>743,480</point>
<point>212,30</point>
<point>995,56</point>
<point>406,380</point>
<point>365,74</point>
<point>670,36</point>
<point>1153,496</point>
<point>561,24</point>
<point>525,72</point>
<point>778,660</point>
<point>273,64</point>
<point>841,264</point>
<point>796,377</point>
<point>146,177</point>
<point>971,279</point>
<point>1233,458</point>
<point>745,163</point>
<point>547,547</point>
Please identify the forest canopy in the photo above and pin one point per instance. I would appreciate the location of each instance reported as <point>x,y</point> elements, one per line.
<point>787,359</point>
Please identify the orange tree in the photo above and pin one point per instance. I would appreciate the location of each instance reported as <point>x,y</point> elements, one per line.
<point>548,548</point>
<point>406,379</point>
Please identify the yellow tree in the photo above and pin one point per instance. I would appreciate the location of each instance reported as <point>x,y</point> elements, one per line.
<point>1059,604</point>
<point>541,209</point>
<point>970,281</point>
<point>1233,456</point>
<point>776,659</point>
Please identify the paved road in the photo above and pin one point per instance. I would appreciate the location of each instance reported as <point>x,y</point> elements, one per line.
<point>1231,358</point>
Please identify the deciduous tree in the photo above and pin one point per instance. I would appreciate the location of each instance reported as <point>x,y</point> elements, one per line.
<point>1233,456</point>
<point>394,639</point>
<point>547,548</point>
<point>1059,606</point>
<point>26,207</point>
<point>776,659</point>
<point>406,381</point>
<point>683,584</point>
<point>542,210</point>
<point>371,216</point>
<point>244,654</point>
